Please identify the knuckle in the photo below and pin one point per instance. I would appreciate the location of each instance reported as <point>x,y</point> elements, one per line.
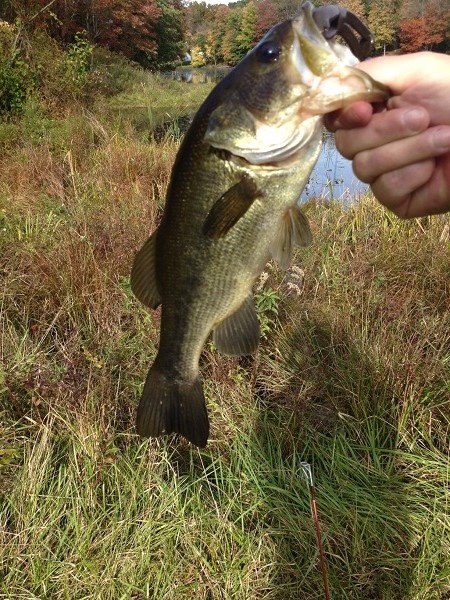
<point>342,140</point>
<point>362,167</point>
<point>398,204</point>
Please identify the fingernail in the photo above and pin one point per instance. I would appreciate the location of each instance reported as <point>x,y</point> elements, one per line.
<point>441,139</point>
<point>415,119</point>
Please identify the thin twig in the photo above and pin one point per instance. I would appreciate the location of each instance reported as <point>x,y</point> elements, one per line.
<point>41,11</point>
<point>19,29</point>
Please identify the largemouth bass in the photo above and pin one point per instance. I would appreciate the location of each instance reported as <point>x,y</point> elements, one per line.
<point>232,205</point>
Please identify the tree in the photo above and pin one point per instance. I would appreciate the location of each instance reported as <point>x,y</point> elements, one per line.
<point>125,26</point>
<point>267,16</point>
<point>231,47</point>
<point>357,7</point>
<point>169,32</point>
<point>214,38</point>
<point>129,27</point>
<point>383,17</point>
<point>199,17</point>
<point>198,56</point>
<point>287,9</point>
<point>247,32</point>
<point>424,25</point>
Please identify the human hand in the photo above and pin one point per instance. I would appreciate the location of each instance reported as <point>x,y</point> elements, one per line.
<point>404,151</point>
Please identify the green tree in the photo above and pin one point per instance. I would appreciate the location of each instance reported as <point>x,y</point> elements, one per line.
<point>231,46</point>
<point>169,32</point>
<point>15,76</point>
<point>247,33</point>
<point>383,18</point>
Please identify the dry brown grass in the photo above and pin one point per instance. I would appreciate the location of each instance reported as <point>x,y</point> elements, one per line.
<point>351,376</point>
<point>370,324</point>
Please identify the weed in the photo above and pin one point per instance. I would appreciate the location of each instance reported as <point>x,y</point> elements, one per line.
<point>79,56</point>
<point>15,75</point>
<point>267,301</point>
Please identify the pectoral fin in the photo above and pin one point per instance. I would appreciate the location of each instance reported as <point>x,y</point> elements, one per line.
<point>143,274</point>
<point>293,231</point>
<point>238,334</point>
<point>230,207</point>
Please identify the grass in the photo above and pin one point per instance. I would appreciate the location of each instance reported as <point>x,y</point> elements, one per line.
<point>352,376</point>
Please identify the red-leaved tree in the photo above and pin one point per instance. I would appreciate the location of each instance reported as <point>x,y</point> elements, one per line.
<point>267,17</point>
<point>423,25</point>
<point>126,26</point>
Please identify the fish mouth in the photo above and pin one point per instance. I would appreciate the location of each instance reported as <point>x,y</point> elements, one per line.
<point>327,69</point>
<point>320,77</point>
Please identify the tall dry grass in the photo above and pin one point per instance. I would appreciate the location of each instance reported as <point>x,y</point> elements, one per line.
<point>352,376</point>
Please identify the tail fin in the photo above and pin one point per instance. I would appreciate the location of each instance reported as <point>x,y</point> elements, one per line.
<point>168,407</point>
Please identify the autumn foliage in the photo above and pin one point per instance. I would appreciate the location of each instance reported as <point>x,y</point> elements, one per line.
<point>425,25</point>
<point>127,26</point>
<point>156,32</point>
<point>219,33</point>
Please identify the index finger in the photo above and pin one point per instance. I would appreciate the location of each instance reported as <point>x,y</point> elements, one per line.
<point>355,115</point>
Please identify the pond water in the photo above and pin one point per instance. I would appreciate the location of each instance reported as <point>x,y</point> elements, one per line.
<point>198,74</point>
<point>332,177</point>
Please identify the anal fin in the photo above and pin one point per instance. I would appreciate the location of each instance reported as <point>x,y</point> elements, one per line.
<point>239,333</point>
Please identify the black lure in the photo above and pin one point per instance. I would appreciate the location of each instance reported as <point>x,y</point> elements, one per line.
<point>334,20</point>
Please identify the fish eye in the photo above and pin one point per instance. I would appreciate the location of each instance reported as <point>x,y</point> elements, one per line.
<point>269,52</point>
